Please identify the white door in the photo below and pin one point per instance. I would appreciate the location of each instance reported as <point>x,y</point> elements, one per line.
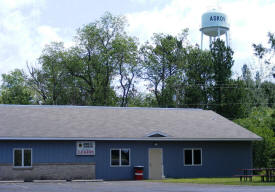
<point>155,163</point>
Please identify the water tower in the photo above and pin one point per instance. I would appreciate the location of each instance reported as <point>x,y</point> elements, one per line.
<point>214,24</point>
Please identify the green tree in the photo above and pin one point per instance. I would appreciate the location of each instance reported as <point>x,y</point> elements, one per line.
<point>161,66</point>
<point>142,100</point>
<point>37,82</point>
<point>268,89</point>
<point>260,122</point>
<point>260,93</point>
<point>222,58</point>
<point>247,76</point>
<point>236,99</point>
<point>14,89</point>
<point>92,59</point>
<point>196,85</point>
<point>266,55</point>
<point>126,57</point>
<point>52,81</point>
<point>51,62</point>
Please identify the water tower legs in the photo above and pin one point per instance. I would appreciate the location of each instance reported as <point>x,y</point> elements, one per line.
<point>201,40</point>
<point>227,42</point>
<point>213,39</point>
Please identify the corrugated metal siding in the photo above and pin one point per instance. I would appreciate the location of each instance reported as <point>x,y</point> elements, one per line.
<point>44,151</point>
<point>138,154</point>
<point>219,159</point>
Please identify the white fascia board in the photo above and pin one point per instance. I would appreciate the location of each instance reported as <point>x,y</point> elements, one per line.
<point>124,139</point>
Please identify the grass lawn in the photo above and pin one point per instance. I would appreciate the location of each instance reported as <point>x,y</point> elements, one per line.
<point>221,181</point>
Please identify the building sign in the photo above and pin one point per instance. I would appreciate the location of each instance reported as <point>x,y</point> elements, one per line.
<point>217,18</point>
<point>85,148</point>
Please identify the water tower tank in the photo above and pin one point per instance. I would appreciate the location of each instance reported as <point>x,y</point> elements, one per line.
<point>214,24</point>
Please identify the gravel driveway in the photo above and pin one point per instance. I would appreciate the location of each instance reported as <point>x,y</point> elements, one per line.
<point>126,186</point>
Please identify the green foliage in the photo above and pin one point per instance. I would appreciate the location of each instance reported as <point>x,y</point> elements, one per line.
<point>246,75</point>
<point>92,59</point>
<point>14,89</point>
<point>52,72</point>
<point>267,55</point>
<point>142,100</point>
<point>222,58</point>
<point>51,80</point>
<point>268,89</point>
<point>260,121</point>
<point>84,74</point>
<point>106,64</point>
<point>235,99</point>
<point>162,64</point>
<point>126,58</point>
<point>260,93</point>
<point>197,82</point>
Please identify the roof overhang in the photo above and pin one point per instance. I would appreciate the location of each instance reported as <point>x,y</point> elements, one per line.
<point>123,139</point>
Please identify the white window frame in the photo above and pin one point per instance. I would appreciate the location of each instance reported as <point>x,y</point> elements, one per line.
<point>192,149</point>
<point>119,149</point>
<point>22,157</point>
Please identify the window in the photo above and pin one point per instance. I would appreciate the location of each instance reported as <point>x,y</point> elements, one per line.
<point>188,157</point>
<point>120,157</point>
<point>115,157</point>
<point>22,157</point>
<point>192,157</point>
<point>125,156</point>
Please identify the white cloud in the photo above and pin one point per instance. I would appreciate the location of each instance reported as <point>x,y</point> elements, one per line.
<point>47,34</point>
<point>14,4</point>
<point>143,1</point>
<point>250,21</point>
<point>21,36</point>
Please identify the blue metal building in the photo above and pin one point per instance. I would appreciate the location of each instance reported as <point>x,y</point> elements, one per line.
<point>65,142</point>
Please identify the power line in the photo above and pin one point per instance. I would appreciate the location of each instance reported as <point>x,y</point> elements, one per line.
<point>225,87</point>
<point>223,84</point>
<point>227,84</point>
<point>214,81</point>
<point>194,104</point>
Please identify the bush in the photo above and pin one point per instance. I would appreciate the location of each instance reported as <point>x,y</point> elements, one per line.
<point>260,122</point>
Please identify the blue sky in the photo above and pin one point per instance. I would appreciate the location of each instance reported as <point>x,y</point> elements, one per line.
<point>26,26</point>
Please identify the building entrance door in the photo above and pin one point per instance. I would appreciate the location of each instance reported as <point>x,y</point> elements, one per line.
<point>155,163</point>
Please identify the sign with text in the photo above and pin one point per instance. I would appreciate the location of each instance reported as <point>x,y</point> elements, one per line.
<point>85,148</point>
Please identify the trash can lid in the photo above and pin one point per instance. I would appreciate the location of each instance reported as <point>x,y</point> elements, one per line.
<point>138,166</point>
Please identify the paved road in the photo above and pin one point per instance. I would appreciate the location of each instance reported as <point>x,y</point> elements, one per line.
<point>127,186</point>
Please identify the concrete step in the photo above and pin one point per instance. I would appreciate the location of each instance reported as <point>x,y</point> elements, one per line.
<point>49,181</point>
<point>88,180</point>
<point>12,181</point>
